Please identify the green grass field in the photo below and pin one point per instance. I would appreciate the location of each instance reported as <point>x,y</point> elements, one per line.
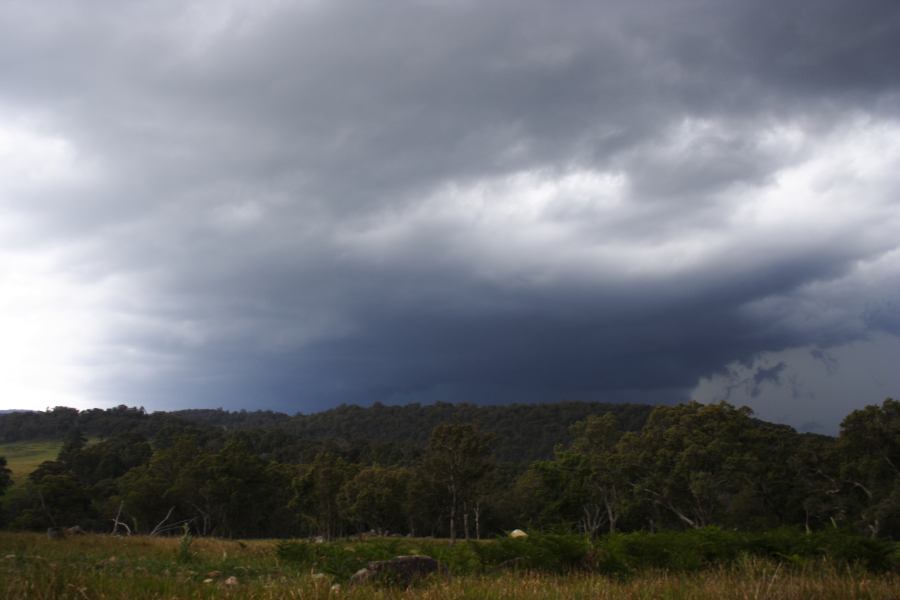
<point>23,457</point>
<point>141,568</point>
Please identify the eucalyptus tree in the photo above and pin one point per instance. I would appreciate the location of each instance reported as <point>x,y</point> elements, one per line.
<point>459,458</point>
<point>869,446</point>
<point>5,476</point>
<point>694,460</point>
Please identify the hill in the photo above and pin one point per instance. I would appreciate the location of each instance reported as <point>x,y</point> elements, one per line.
<point>524,432</point>
<point>434,471</point>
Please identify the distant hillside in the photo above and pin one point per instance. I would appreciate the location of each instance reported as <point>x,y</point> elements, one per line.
<point>24,457</point>
<point>525,432</point>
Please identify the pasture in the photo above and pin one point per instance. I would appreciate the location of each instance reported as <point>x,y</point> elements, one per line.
<point>24,457</point>
<point>142,568</point>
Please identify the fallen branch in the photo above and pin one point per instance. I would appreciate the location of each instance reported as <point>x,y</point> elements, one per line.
<point>175,526</point>
<point>117,522</point>
<point>44,508</point>
<point>159,526</point>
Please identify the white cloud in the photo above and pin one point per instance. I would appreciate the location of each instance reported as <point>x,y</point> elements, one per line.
<point>33,162</point>
<point>833,196</point>
<point>50,328</point>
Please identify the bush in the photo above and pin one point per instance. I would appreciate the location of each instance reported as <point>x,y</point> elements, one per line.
<point>702,548</point>
<point>556,553</point>
<point>548,553</point>
<point>620,554</point>
<point>184,554</point>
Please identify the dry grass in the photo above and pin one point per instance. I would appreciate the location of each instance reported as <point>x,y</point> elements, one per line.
<point>140,568</point>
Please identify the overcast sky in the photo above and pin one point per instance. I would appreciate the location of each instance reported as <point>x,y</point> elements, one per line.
<point>290,205</point>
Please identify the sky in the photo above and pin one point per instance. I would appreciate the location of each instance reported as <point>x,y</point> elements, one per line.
<point>292,205</point>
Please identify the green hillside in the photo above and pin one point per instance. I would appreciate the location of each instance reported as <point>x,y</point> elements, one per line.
<point>23,457</point>
<point>525,432</point>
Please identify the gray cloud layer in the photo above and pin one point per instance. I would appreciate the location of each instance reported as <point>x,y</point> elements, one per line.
<point>298,204</point>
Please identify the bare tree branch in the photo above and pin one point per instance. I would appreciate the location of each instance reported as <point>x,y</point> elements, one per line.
<point>159,526</point>
<point>117,522</point>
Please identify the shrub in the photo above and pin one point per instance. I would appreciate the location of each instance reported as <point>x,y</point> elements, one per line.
<point>184,554</point>
<point>697,549</point>
<point>556,553</point>
<point>620,554</point>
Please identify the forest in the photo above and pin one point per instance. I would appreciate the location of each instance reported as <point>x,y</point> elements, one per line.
<point>454,471</point>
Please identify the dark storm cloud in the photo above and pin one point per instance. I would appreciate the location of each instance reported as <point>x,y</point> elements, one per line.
<point>830,363</point>
<point>300,204</point>
<point>767,375</point>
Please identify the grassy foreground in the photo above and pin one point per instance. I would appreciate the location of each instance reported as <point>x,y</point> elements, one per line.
<point>104,567</point>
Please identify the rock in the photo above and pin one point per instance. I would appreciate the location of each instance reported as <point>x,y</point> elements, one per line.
<point>75,531</point>
<point>361,576</point>
<point>517,533</point>
<point>336,588</point>
<point>231,580</point>
<point>401,570</point>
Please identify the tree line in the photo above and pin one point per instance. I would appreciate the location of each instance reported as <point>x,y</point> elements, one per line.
<point>683,467</point>
<point>524,432</point>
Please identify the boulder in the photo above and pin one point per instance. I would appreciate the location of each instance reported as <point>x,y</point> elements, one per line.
<point>400,571</point>
<point>517,533</point>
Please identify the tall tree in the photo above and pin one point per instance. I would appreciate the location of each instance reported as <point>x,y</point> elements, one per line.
<point>316,491</point>
<point>167,489</point>
<point>458,458</point>
<point>691,459</point>
<point>5,476</point>
<point>597,440</point>
<point>869,445</point>
<point>73,443</point>
<point>376,498</point>
<point>816,487</point>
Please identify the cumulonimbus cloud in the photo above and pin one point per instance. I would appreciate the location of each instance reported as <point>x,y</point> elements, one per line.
<point>298,205</point>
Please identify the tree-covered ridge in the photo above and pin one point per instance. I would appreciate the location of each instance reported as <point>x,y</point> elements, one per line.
<point>688,466</point>
<point>525,432</point>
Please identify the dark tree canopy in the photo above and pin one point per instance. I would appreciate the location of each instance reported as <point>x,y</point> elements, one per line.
<point>426,471</point>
